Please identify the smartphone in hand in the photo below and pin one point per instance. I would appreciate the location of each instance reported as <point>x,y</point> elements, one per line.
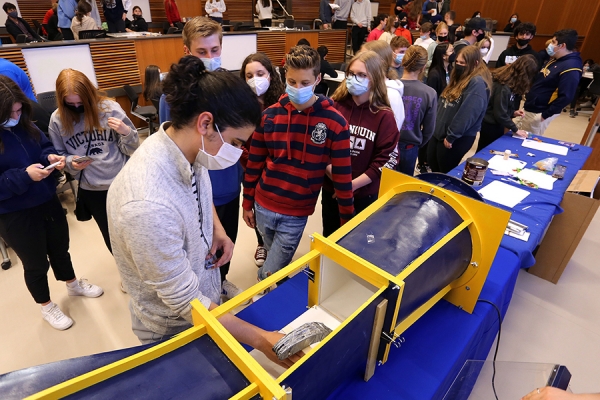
<point>52,166</point>
<point>82,159</point>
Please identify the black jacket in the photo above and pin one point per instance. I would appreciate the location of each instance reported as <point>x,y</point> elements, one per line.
<point>137,25</point>
<point>511,27</point>
<point>326,68</point>
<point>52,28</point>
<point>513,52</point>
<point>436,80</point>
<point>14,30</point>
<point>501,107</point>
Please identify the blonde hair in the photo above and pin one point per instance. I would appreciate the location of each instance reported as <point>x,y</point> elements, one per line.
<point>488,38</point>
<point>200,27</point>
<point>441,25</point>
<point>385,52</point>
<point>378,97</point>
<point>71,81</point>
<point>475,67</point>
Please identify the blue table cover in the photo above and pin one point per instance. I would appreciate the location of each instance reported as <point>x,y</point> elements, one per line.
<point>436,346</point>
<point>537,209</point>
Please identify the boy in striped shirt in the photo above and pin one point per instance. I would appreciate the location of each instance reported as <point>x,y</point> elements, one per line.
<point>297,138</point>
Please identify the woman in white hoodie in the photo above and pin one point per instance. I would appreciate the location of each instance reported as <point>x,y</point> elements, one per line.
<point>215,10</point>
<point>264,9</point>
<point>395,88</point>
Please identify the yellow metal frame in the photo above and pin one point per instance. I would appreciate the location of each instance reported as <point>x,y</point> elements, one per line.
<point>482,221</point>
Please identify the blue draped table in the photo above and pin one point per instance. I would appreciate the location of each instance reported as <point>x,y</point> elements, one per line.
<point>537,209</point>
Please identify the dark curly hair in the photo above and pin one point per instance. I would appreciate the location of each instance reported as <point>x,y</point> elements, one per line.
<point>191,90</point>
<point>525,27</point>
<point>11,93</point>
<point>519,75</point>
<point>276,88</point>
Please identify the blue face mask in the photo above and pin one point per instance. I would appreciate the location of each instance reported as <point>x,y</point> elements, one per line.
<point>357,88</point>
<point>299,96</point>
<point>551,50</point>
<point>212,64</point>
<point>399,58</point>
<point>424,37</point>
<point>513,20</point>
<point>11,122</point>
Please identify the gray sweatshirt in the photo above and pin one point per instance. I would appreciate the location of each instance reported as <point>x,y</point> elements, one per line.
<point>109,149</point>
<point>342,13</point>
<point>156,235</point>
<point>420,109</point>
<point>361,13</point>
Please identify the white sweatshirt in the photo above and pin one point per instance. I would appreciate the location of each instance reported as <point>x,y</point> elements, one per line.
<point>395,91</point>
<point>264,12</point>
<point>219,5</point>
<point>361,13</point>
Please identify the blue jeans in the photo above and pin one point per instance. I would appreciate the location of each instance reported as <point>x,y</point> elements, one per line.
<point>281,234</point>
<point>407,158</point>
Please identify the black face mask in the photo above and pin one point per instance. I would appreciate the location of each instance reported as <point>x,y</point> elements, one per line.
<point>442,38</point>
<point>452,58</point>
<point>396,24</point>
<point>523,42</point>
<point>137,16</point>
<point>78,109</point>
<point>480,37</point>
<point>459,70</point>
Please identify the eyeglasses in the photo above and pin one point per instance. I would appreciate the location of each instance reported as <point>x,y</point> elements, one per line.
<point>360,78</point>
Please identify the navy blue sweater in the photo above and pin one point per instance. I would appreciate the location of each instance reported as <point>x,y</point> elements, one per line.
<point>17,190</point>
<point>555,85</point>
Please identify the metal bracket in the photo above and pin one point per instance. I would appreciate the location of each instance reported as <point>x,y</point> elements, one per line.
<point>310,273</point>
<point>391,337</point>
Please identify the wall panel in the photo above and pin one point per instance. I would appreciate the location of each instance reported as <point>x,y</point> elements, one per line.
<point>498,10</point>
<point>34,9</point>
<point>466,8</point>
<point>551,14</point>
<point>238,10</point>
<point>305,10</point>
<point>273,45</point>
<point>115,64</point>
<point>332,40</point>
<point>157,10</point>
<point>580,17</point>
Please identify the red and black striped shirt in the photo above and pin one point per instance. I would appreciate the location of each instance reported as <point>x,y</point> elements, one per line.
<point>288,156</point>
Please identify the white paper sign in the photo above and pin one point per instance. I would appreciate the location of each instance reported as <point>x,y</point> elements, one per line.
<point>503,193</point>
<point>547,147</point>
<point>539,178</point>
<point>500,164</point>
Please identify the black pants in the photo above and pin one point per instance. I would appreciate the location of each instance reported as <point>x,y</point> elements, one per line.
<point>330,211</point>
<point>358,37</point>
<point>489,134</point>
<point>67,34</point>
<point>116,26</point>
<point>340,24</point>
<point>229,215</point>
<point>37,235</point>
<point>423,154</point>
<point>444,160</point>
<point>95,202</point>
<point>259,238</point>
<point>219,21</point>
<point>583,84</point>
<point>265,23</point>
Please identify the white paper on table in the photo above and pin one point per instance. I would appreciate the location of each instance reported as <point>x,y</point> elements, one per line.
<point>503,193</point>
<point>539,178</point>
<point>524,237</point>
<point>500,164</point>
<point>547,147</point>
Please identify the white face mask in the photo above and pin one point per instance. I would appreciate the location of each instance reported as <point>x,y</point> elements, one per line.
<point>11,122</point>
<point>259,84</point>
<point>484,51</point>
<point>227,155</point>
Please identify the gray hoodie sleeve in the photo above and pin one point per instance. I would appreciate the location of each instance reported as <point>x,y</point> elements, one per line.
<point>429,121</point>
<point>161,259</point>
<point>128,143</point>
<point>54,130</point>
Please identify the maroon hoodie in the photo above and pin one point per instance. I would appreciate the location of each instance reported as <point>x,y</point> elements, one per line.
<point>373,137</point>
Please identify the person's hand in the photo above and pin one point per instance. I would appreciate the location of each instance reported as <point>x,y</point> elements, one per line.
<point>325,26</point>
<point>447,144</point>
<point>78,166</point>
<point>328,172</point>
<point>128,30</point>
<point>171,25</point>
<point>119,126</point>
<point>221,242</point>
<point>54,158</point>
<point>267,348</point>
<point>518,113</point>
<point>398,8</point>
<point>249,218</point>
<point>522,133</point>
<point>215,9</point>
<point>549,393</point>
<point>369,29</point>
<point>360,25</point>
<point>431,11</point>
<point>37,172</point>
<point>124,16</point>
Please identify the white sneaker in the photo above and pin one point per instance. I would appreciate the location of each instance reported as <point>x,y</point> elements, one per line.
<point>84,289</point>
<point>56,318</point>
